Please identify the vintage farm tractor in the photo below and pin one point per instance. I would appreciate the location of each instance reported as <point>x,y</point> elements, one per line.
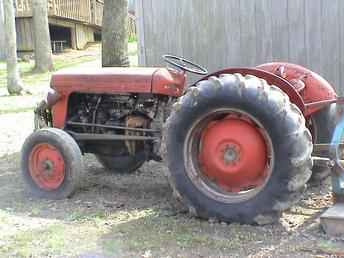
<point>238,143</point>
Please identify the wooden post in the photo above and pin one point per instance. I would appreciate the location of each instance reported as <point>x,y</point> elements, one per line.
<point>140,32</point>
<point>2,32</point>
<point>54,7</point>
<point>14,83</point>
<point>93,11</point>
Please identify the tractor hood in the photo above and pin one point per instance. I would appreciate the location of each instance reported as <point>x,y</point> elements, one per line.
<point>119,80</point>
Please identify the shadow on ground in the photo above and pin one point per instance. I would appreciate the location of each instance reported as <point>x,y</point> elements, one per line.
<point>134,216</point>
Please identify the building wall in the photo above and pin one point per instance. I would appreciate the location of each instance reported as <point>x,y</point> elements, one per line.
<point>2,33</point>
<point>84,35</point>
<point>226,33</point>
<point>25,37</point>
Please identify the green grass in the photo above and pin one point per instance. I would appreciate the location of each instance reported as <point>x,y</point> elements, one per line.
<point>132,38</point>
<point>31,78</point>
<point>113,234</point>
<point>57,239</point>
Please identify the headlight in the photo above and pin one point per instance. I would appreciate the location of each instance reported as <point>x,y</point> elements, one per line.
<point>52,97</point>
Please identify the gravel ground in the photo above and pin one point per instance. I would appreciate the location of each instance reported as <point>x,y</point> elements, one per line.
<point>134,216</point>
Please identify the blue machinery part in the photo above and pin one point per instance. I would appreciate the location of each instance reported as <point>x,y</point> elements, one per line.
<point>337,154</point>
<point>332,220</point>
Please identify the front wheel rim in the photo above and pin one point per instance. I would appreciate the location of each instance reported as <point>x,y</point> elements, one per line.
<point>46,167</point>
<point>218,163</point>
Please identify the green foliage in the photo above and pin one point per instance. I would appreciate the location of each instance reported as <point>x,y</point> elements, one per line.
<point>31,78</point>
<point>132,38</point>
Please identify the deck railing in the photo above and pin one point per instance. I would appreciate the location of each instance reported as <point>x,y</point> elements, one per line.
<point>23,8</point>
<point>79,10</point>
<point>85,11</point>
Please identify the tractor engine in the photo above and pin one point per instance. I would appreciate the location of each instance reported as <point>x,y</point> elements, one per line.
<point>121,114</point>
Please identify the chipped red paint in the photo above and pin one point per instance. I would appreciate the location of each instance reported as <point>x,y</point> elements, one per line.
<point>47,167</point>
<point>168,82</point>
<point>311,86</point>
<point>271,78</point>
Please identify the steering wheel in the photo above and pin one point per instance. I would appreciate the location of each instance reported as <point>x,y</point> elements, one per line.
<point>185,64</point>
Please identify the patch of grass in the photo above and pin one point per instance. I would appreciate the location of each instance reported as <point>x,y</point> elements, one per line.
<point>30,78</point>
<point>63,63</point>
<point>155,232</point>
<point>132,38</point>
<point>54,240</point>
<point>82,234</point>
<point>15,104</point>
<point>80,215</point>
<point>331,248</point>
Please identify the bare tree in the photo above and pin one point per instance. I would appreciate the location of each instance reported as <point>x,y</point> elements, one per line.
<point>14,83</point>
<point>43,53</point>
<point>2,33</point>
<point>115,33</point>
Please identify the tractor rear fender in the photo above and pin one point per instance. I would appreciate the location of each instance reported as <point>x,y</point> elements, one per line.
<point>315,91</point>
<point>272,79</point>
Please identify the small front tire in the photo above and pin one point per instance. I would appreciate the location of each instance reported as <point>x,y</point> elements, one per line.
<point>51,164</point>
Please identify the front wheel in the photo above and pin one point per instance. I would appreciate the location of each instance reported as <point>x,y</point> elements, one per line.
<point>51,164</point>
<point>237,150</point>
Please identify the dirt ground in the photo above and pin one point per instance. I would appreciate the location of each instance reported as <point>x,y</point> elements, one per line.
<point>134,216</point>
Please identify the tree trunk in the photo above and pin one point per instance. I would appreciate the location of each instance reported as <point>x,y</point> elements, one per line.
<point>43,54</point>
<point>14,83</point>
<point>2,33</point>
<point>115,33</point>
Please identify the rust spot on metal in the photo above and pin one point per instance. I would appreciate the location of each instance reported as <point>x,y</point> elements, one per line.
<point>133,121</point>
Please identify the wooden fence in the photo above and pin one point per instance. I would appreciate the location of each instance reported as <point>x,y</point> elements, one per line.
<point>223,33</point>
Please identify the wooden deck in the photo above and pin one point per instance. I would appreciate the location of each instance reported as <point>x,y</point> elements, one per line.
<point>82,17</point>
<point>88,12</point>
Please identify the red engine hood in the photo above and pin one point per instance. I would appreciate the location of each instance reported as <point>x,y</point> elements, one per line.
<point>119,80</point>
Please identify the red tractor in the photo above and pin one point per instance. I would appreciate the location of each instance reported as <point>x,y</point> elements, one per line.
<point>238,143</point>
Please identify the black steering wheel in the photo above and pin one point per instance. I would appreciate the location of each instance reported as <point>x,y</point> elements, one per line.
<point>185,64</point>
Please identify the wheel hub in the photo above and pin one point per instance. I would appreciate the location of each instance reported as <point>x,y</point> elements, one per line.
<point>233,154</point>
<point>47,168</point>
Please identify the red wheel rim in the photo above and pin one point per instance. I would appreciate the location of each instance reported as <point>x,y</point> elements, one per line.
<point>47,167</point>
<point>231,155</point>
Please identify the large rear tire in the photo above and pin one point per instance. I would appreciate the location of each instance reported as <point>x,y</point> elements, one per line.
<point>237,150</point>
<point>51,164</point>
